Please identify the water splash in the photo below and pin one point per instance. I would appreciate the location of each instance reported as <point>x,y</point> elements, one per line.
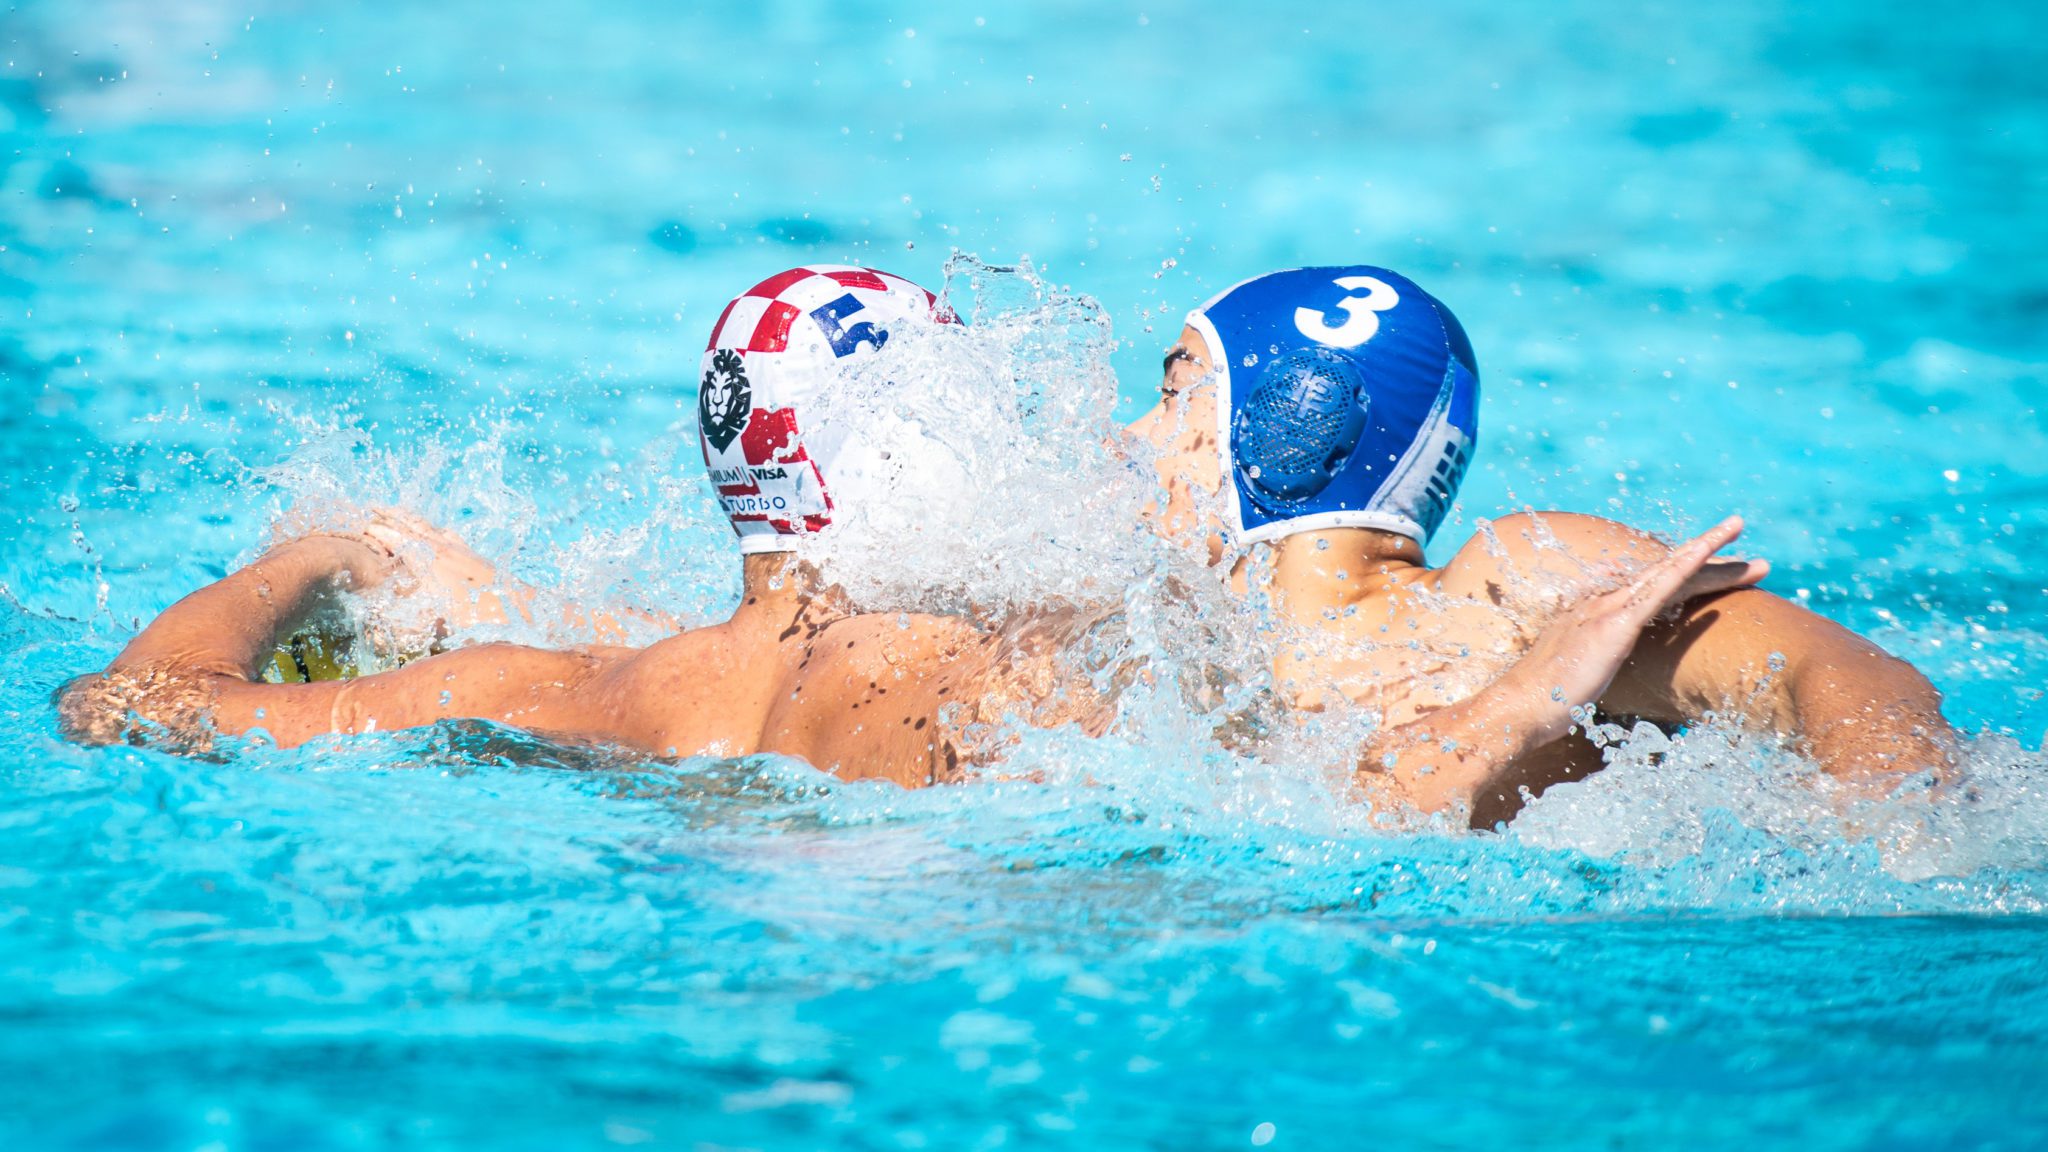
<point>994,477</point>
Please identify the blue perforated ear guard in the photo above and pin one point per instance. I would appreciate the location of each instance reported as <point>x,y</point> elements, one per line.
<point>1298,429</point>
<point>1348,398</point>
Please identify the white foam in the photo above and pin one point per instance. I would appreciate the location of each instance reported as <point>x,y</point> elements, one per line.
<point>986,470</point>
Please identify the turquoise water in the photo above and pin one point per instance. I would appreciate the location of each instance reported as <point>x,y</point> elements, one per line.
<point>261,259</point>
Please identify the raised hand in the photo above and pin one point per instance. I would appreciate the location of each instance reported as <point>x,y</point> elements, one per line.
<point>430,569</point>
<point>441,565</point>
<point>1443,757</point>
<point>1576,656</point>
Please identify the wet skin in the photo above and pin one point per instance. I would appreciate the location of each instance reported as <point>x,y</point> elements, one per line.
<point>793,672</point>
<point>1475,667</point>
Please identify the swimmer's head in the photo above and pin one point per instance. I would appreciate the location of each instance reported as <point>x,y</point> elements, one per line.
<point>1327,398</point>
<point>772,351</point>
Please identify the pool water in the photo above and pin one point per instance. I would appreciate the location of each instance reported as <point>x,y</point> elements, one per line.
<point>261,262</point>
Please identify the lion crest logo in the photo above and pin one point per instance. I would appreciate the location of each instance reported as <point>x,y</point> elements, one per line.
<point>725,400</point>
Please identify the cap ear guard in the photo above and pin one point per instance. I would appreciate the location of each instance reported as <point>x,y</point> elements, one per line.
<point>1299,427</point>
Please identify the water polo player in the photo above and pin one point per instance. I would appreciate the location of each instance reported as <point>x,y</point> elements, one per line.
<point>1331,413</point>
<point>795,670</point>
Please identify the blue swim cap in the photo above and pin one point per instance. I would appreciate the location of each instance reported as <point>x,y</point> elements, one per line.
<point>1349,400</point>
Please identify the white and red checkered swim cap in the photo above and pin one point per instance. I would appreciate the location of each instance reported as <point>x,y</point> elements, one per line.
<point>771,351</point>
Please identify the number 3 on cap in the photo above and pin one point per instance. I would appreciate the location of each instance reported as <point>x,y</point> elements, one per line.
<point>1361,313</point>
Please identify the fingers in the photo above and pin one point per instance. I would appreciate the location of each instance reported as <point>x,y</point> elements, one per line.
<point>1720,576</point>
<point>419,547</point>
<point>381,548</point>
<point>383,529</point>
<point>1694,552</point>
<point>406,532</point>
<point>386,537</point>
<point>409,525</point>
<point>1665,582</point>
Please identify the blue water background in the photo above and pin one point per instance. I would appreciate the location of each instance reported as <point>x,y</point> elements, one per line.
<point>1786,260</point>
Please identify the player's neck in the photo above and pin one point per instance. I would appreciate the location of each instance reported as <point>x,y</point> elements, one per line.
<point>1315,571</point>
<point>779,591</point>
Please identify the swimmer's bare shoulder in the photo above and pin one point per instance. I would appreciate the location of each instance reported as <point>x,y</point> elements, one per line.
<point>880,695</point>
<point>1535,555</point>
<point>690,694</point>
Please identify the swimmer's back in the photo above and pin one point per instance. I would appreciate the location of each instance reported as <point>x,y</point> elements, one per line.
<point>869,697</point>
<point>860,697</point>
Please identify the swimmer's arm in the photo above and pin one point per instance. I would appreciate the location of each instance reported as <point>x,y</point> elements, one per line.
<point>1442,759</point>
<point>231,627</point>
<point>193,671</point>
<point>531,688</point>
<point>171,675</point>
<point>610,625</point>
<point>508,597</point>
<point>1858,711</point>
<point>1846,703</point>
